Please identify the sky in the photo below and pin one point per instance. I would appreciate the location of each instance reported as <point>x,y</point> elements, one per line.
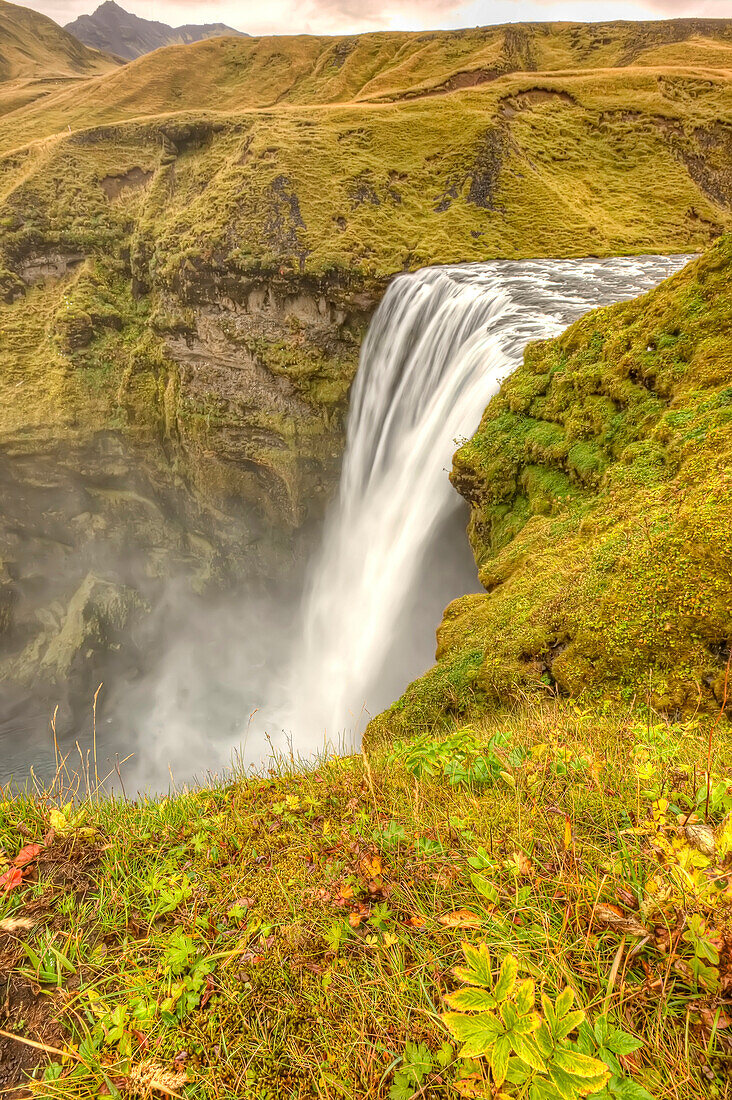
<point>355,16</point>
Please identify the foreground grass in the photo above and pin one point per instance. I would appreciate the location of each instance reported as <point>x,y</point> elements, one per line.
<point>296,935</point>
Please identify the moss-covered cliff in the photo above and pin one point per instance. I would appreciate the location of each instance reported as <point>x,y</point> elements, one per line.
<point>601,513</point>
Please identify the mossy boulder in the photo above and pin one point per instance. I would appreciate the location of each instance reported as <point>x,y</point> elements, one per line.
<point>600,485</point>
<point>95,619</point>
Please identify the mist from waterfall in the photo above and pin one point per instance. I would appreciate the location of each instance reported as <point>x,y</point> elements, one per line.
<point>436,351</point>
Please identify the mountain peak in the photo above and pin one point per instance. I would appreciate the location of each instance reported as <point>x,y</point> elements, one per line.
<point>113,29</point>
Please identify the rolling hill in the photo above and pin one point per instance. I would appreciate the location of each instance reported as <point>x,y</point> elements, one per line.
<point>126,35</point>
<point>33,47</point>
<point>38,58</point>
<point>243,73</point>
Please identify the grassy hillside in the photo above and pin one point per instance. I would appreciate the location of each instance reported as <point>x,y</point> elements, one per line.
<point>601,515</point>
<point>306,934</point>
<point>236,74</point>
<point>34,47</point>
<point>188,212</point>
<point>38,59</point>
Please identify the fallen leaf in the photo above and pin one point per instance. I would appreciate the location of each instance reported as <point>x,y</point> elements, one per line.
<point>523,864</point>
<point>627,897</point>
<point>701,837</point>
<point>416,921</point>
<point>16,924</point>
<point>460,918</point>
<point>715,1018</point>
<point>345,891</point>
<point>27,855</point>
<point>10,879</point>
<point>371,866</point>
<point>208,991</point>
<point>567,834</point>
<point>354,919</point>
<point>615,918</point>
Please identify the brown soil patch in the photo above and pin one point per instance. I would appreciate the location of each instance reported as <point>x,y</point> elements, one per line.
<point>69,864</point>
<point>532,97</point>
<point>26,1008</point>
<point>33,1014</point>
<point>113,186</point>
<point>469,79</point>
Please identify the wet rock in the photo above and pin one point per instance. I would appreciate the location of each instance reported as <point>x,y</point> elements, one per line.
<point>96,617</point>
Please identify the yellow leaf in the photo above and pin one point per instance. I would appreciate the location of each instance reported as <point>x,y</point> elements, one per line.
<point>567,834</point>
<point>460,918</point>
<point>371,866</point>
<point>523,865</point>
<point>60,823</point>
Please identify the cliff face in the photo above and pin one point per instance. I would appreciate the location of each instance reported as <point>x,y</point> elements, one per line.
<point>167,418</point>
<point>601,514</point>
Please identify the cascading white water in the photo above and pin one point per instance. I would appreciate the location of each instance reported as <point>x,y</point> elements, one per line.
<point>436,351</point>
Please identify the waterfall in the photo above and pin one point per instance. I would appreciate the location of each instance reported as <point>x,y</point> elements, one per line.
<point>436,351</point>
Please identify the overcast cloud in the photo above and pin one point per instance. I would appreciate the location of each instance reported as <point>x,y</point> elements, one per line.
<point>351,16</point>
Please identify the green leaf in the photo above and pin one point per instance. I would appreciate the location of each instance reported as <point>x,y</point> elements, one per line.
<point>517,1072</point>
<point>417,1061</point>
<point>485,887</point>
<point>477,1033</point>
<point>619,1042</point>
<point>631,1090</point>
<point>602,1030</point>
<point>506,978</point>
<point>478,971</point>
<point>402,1088</point>
<point>566,1025</point>
<point>564,1002</point>
<point>544,1040</point>
<point>541,1089</point>
<point>527,1024</point>
<point>549,1013</point>
<point>579,1065</point>
<point>590,1086</point>
<point>481,860</point>
<point>527,1050</point>
<point>445,1055</point>
<point>568,1087</point>
<point>498,1059</point>
<point>524,997</point>
<point>471,1000</point>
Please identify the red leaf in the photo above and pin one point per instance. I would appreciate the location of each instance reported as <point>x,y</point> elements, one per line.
<point>27,855</point>
<point>11,879</point>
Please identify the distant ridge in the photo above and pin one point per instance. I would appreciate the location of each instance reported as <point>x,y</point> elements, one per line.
<point>33,47</point>
<point>117,31</point>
